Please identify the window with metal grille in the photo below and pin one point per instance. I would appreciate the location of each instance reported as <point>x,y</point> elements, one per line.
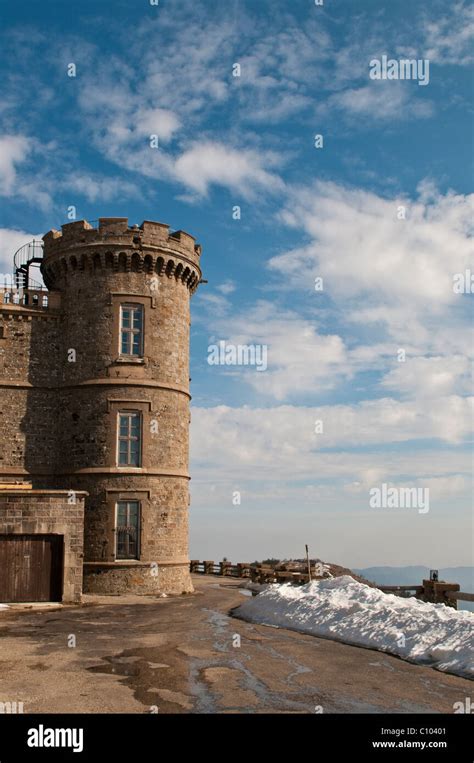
<point>129,438</point>
<point>127,530</point>
<point>131,330</point>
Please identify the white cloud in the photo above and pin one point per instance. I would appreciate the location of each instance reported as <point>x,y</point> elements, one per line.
<point>389,279</point>
<point>10,242</point>
<point>122,130</point>
<point>94,187</point>
<point>189,89</point>
<point>205,81</point>
<point>300,358</point>
<point>447,487</point>
<point>211,162</point>
<point>281,444</point>
<point>14,149</point>
<point>18,181</point>
<point>227,287</point>
<point>133,128</point>
<point>366,253</point>
<point>215,304</point>
<point>161,122</point>
<point>382,101</point>
<point>430,377</point>
<point>449,39</point>
<point>279,71</point>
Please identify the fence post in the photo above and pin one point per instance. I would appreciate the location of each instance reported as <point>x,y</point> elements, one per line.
<point>208,568</point>
<point>435,591</point>
<point>242,568</point>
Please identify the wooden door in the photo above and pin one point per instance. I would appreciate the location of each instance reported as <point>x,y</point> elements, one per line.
<point>31,568</point>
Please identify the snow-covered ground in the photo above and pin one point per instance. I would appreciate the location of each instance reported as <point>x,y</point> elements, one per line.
<point>345,610</point>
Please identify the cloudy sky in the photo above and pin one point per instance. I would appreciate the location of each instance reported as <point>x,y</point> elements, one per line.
<point>369,377</point>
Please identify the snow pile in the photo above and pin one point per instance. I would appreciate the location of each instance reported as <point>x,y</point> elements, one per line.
<point>323,569</point>
<point>345,610</point>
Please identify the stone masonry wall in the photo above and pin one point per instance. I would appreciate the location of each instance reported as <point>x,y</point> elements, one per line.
<point>48,512</point>
<point>28,378</point>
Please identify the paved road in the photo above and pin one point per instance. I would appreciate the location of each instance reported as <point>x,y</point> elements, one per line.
<point>139,654</point>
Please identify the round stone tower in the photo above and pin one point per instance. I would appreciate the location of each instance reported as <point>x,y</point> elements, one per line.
<point>123,396</point>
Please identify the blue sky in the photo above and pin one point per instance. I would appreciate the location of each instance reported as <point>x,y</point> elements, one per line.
<point>306,212</point>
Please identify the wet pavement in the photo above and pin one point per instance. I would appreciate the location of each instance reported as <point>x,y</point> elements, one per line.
<point>188,655</point>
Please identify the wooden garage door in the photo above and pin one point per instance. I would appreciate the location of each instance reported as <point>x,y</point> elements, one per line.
<point>31,567</point>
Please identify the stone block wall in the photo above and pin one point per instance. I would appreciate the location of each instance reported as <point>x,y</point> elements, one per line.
<point>31,512</point>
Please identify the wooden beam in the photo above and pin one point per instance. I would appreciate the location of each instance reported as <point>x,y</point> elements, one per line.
<point>460,595</point>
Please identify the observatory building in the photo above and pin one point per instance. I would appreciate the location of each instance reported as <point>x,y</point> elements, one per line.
<point>94,413</point>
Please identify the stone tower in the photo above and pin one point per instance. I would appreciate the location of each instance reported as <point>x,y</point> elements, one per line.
<point>119,396</point>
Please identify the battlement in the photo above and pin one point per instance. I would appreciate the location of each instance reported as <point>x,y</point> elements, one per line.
<point>115,231</point>
<point>114,246</point>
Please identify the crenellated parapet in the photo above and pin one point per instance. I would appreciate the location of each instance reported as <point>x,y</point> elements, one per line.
<point>112,245</point>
